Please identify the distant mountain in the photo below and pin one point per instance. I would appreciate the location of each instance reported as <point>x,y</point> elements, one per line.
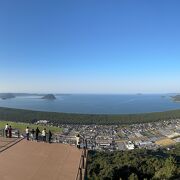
<point>7,95</point>
<point>32,94</point>
<point>28,94</point>
<point>21,94</point>
<point>176,98</point>
<point>49,97</point>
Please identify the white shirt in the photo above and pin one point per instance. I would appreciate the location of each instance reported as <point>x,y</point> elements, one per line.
<point>43,133</point>
<point>6,127</point>
<point>78,140</point>
<point>27,130</point>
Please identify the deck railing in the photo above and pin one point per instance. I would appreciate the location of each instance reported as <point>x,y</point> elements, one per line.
<point>15,133</point>
<point>82,170</point>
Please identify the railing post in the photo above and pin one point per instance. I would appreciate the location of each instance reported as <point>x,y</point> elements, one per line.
<point>85,152</point>
<point>82,161</point>
<point>82,171</point>
<point>85,143</point>
<point>80,174</point>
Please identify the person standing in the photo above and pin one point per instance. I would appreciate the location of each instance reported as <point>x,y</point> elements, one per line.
<point>32,134</point>
<point>78,141</point>
<point>37,133</point>
<point>50,136</point>
<point>6,129</point>
<point>10,131</point>
<point>44,134</point>
<point>27,133</point>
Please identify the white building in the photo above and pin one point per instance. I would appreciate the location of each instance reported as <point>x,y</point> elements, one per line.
<point>130,145</point>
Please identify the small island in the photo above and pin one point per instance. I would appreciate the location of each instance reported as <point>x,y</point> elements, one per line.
<point>176,98</point>
<point>7,96</point>
<point>49,97</point>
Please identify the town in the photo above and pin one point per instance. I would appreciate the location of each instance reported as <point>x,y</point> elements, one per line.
<point>154,135</point>
<point>122,137</point>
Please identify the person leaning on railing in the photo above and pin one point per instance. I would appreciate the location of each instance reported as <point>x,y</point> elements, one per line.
<point>44,134</point>
<point>27,133</point>
<point>6,129</point>
<point>49,136</point>
<point>32,134</point>
<point>37,133</point>
<point>10,131</point>
<point>78,141</point>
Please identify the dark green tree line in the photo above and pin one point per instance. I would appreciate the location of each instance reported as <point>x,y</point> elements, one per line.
<point>137,164</point>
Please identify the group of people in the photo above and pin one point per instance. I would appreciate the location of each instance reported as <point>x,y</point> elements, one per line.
<point>34,135</point>
<point>31,134</point>
<point>8,131</point>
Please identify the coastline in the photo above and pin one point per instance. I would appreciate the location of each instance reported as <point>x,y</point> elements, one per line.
<point>29,116</point>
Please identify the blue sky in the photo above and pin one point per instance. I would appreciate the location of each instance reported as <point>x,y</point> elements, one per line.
<point>90,46</point>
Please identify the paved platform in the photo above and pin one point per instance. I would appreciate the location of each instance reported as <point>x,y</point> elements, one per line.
<point>28,160</point>
<point>4,141</point>
<point>7,142</point>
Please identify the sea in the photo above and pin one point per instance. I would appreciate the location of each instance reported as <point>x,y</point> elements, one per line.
<point>95,104</point>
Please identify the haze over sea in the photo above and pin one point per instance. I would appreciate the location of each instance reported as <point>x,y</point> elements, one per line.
<point>95,104</point>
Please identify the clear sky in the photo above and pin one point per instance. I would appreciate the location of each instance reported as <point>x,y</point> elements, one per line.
<point>90,46</point>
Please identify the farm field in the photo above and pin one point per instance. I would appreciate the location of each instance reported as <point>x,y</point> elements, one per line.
<point>165,142</point>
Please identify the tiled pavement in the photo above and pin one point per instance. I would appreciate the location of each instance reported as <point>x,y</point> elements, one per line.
<point>37,160</point>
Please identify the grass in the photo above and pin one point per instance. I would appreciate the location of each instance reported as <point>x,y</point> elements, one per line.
<point>22,126</point>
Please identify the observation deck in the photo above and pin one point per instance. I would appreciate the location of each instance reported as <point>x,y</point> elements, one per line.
<point>32,160</point>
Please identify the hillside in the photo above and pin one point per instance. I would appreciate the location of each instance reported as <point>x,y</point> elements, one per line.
<point>176,98</point>
<point>7,96</point>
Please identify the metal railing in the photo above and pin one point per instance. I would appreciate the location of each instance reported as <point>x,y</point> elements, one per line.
<point>2,132</point>
<point>15,133</point>
<point>82,170</point>
<point>9,141</point>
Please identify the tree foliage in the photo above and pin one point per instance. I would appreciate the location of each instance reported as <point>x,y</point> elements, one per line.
<point>133,165</point>
<point>19,115</point>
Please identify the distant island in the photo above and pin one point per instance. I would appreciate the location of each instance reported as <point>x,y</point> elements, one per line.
<point>7,96</point>
<point>176,98</point>
<point>49,97</point>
